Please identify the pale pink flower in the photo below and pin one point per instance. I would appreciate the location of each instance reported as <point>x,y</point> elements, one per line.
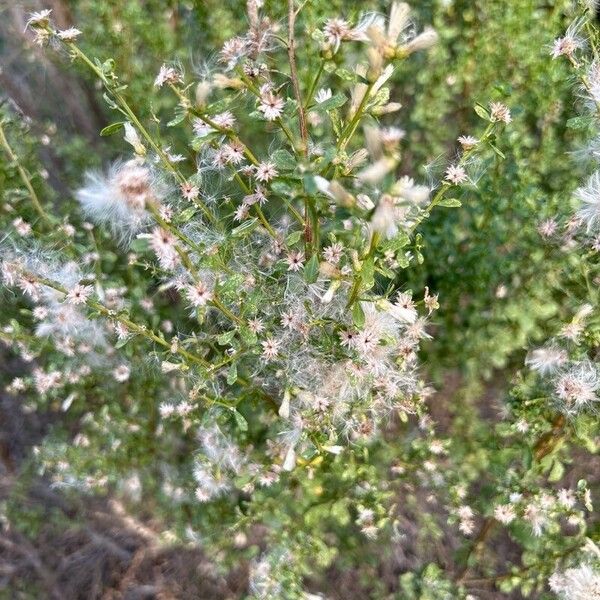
<point>468,141</point>
<point>266,171</point>
<point>547,228</point>
<point>504,513</point>
<point>163,244</point>
<point>270,348</point>
<point>256,325</point>
<point>22,227</point>
<point>271,105</point>
<point>189,191</point>
<point>348,338</point>
<point>241,212</point>
<point>455,174</point>
<point>288,319</point>
<point>79,294</point>
<point>332,254</point>
<point>233,50</point>
<point>500,112</point>
<point>295,260</point>
<point>565,46</point>
<point>199,294</point>
<point>167,75</point>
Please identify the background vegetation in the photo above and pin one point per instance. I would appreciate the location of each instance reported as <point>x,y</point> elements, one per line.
<point>503,289</point>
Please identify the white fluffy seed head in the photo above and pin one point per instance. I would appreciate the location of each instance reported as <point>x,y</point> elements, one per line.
<point>118,199</point>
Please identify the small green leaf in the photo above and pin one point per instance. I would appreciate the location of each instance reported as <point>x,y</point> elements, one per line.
<point>120,343</point>
<point>226,337</point>
<point>240,420</point>
<point>556,472</point>
<point>358,315</point>
<point>331,104</point>
<point>232,374</point>
<point>293,238</point>
<point>497,151</point>
<point>579,123</point>
<point>283,160</point>
<point>111,129</point>
<point>367,273</point>
<point>311,270</point>
<point>528,458</point>
<point>186,214</point>
<point>450,202</point>
<point>139,245</point>
<point>310,185</point>
<point>245,228</point>
<point>482,112</point>
<point>179,118</point>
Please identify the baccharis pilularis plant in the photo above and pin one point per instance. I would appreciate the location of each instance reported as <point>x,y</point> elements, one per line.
<point>227,323</point>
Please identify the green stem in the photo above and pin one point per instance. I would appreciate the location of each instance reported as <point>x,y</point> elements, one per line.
<point>315,82</point>
<point>125,108</point>
<point>129,325</point>
<point>349,131</point>
<point>257,208</point>
<point>23,175</point>
<point>218,304</point>
<point>358,279</point>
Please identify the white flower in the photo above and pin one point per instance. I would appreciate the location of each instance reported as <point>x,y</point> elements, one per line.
<point>121,373</point>
<point>406,188</point>
<point>547,228</point>
<point>384,219</point>
<point>224,120</point>
<point>163,244</point>
<point>69,35</point>
<point>233,50</point>
<point>468,141</point>
<point>322,95</point>
<point>256,325</point>
<point>22,227</point>
<point>39,19</point>
<point>426,39</point>
<point>565,46</point>
<point>332,254</point>
<point>270,105</point>
<point>500,112</point>
<point>566,498</point>
<point>403,309</point>
<point>189,191</point>
<point>571,41</point>
<point>337,31</point>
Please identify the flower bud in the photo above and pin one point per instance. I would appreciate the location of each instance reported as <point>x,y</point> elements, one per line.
<point>202,92</point>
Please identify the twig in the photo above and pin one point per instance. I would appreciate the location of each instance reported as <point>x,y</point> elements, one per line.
<point>291,48</point>
<point>23,174</point>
